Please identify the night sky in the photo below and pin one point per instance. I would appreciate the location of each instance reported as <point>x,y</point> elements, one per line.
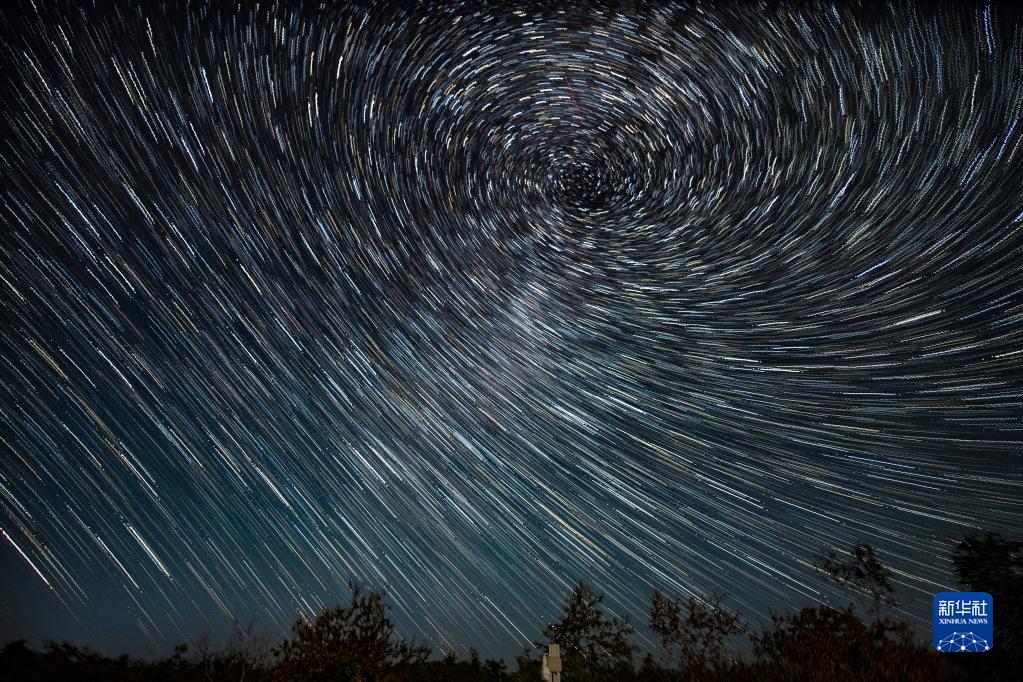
<point>473,301</point>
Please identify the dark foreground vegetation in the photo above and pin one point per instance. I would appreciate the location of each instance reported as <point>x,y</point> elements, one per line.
<point>699,640</point>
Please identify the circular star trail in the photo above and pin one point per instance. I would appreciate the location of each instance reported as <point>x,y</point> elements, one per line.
<point>472,301</point>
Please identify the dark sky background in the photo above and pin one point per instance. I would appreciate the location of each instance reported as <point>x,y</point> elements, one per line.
<point>474,301</point>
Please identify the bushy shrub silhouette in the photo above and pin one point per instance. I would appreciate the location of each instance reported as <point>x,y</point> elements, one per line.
<point>697,642</point>
<point>989,562</point>
<point>353,643</point>
<point>594,645</point>
<point>831,644</point>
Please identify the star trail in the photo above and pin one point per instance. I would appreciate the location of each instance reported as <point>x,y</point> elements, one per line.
<point>474,300</point>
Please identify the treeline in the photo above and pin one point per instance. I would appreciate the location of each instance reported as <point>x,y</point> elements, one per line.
<point>698,640</point>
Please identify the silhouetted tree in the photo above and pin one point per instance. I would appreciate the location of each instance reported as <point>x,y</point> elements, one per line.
<point>698,641</point>
<point>66,661</point>
<point>651,670</point>
<point>594,645</point>
<point>243,657</point>
<point>834,645</point>
<point>527,668</point>
<point>354,642</point>
<point>860,572</point>
<point>989,562</point>
<point>452,669</point>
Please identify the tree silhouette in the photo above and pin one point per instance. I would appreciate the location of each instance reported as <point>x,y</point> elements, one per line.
<point>862,573</point>
<point>697,642</point>
<point>989,562</point>
<point>594,645</point>
<point>66,661</point>
<point>354,642</point>
<point>451,668</point>
<point>527,668</point>
<point>825,643</point>
<point>243,657</point>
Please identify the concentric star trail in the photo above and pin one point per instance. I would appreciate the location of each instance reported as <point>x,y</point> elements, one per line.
<point>472,301</point>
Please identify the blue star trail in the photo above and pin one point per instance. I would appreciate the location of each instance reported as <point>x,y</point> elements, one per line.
<point>472,301</point>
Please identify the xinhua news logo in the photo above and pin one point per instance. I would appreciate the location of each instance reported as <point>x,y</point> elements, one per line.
<point>964,622</point>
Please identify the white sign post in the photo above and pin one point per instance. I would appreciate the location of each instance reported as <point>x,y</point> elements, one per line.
<point>552,664</point>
